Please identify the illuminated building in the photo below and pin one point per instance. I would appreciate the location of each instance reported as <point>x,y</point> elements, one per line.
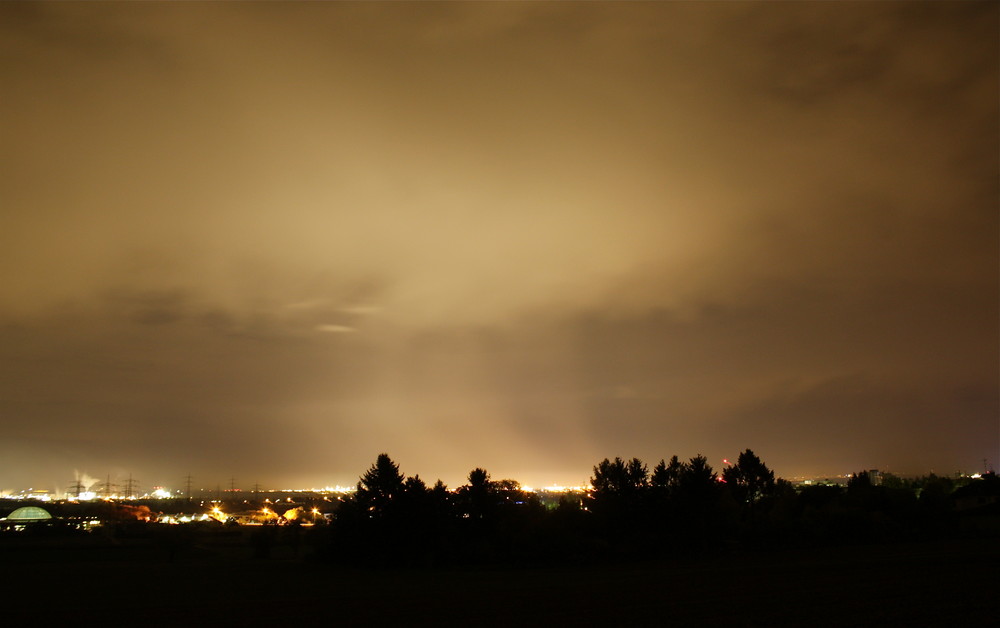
<point>26,516</point>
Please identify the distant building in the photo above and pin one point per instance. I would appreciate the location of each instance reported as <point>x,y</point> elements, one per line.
<point>26,516</point>
<point>29,513</point>
<point>875,476</point>
<point>982,495</point>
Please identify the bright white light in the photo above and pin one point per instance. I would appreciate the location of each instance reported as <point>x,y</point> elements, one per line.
<point>557,488</point>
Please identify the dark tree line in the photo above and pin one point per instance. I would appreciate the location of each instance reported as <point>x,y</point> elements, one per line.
<point>396,519</point>
<point>677,508</point>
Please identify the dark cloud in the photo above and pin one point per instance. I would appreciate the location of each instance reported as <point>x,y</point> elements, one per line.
<point>274,240</point>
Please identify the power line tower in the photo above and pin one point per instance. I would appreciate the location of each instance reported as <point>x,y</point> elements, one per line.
<point>130,487</point>
<point>187,486</point>
<point>107,487</point>
<point>256,491</point>
<point>76,488</point>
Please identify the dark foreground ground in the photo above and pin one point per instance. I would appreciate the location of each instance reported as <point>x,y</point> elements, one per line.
<point>939,583</point>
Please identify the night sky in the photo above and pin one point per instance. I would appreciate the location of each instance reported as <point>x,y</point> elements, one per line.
<point>270,241</point>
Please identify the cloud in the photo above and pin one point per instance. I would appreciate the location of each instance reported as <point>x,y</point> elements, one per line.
<point>527,203</point>
<point>335,329</point>
<point>361,310</point>
<point>609,176</point>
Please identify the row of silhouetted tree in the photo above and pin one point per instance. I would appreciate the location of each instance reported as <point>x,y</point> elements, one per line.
<point>678,507</point>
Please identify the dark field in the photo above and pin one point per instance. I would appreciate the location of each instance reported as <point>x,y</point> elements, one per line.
<point>939,583</point>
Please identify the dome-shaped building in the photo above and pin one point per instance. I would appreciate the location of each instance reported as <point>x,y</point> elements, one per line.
<point>26,518</point>
<point>28,514</point>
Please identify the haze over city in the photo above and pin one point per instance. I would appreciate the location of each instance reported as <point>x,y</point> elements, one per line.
<point>268,241</point>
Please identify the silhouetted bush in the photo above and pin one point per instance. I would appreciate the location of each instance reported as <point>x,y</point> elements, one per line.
<point>680,509</point>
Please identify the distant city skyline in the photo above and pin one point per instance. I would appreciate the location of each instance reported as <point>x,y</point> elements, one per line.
<point>96,487</point>
<point>273,240</point>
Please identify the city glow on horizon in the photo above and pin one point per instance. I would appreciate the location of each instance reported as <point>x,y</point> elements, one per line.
<point>161,492</point>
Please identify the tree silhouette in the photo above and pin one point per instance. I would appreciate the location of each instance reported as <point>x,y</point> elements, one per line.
<point>679,508</point>
<point>440,499</point>
<point>476,499</point>
<point>663,483</point>
<point>697,479</point>
<point>479,480</point>
<point>665,478</point>
<point>860,481</point>
<point>508,485</point>
<point>415,499</point>
<point>618,499</point>
<point>659,478</point>
<point>749,480</point>
<point>510,494</point>
<point>620,478</point>
<point>697,499</point>
<point>379,486</point>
